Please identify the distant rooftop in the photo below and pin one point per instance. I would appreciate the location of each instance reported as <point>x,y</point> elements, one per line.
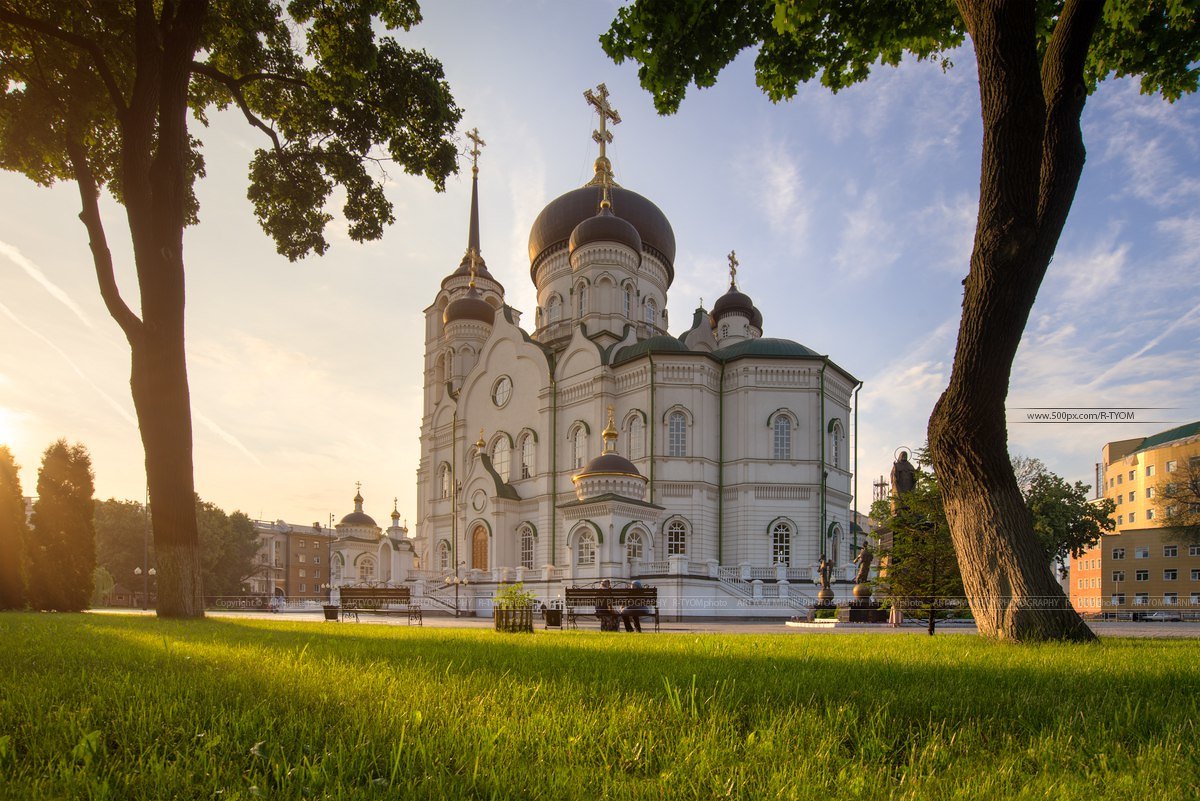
<point>1169,436</point>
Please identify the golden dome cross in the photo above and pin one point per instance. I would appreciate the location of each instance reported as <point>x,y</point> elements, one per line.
<point>733,265</point>
<point>599,99</point>
<point>474,152</point>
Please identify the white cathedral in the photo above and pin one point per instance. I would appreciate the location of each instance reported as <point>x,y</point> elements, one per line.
<point>713,465</point>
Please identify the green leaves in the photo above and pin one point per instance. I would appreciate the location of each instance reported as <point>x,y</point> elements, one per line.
<point>678,44</point>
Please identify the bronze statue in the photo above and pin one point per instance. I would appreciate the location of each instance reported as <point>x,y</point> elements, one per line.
<point>863,560</point>
<point>904,475</point>
<point>824,572</point>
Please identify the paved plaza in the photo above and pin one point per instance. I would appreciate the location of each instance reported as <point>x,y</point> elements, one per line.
<point>1171,630</point>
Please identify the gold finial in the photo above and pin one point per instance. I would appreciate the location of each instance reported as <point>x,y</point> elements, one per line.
<point>733,265</point>
<point>480,444</point>
<point>602,136</point>
<point>474,152</point>
<point>396,505</point>
<point>605,200</point>
<point>473,257</point>
<point>610,432</point>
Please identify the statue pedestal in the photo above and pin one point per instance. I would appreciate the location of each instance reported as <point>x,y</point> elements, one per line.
<point>825,598</point>
<point>862,595</point>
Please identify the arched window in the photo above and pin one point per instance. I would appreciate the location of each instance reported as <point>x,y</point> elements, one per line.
<point>479,548</point>
<point>636,438</point>
<point>835,536</point>
<point>651,311</point>
<point>783,437</point>
<point>677,434</point>
<point>627,299</point>
<point>554,309</point>
<point>366,569</point>
<point>526,546</point>
<point>500,457</point>
<point>585,549</point>
<point>579,447</point>
<point>635,546</point>
<point>781,543</point>
<point>527,456</point>
<point>443,556</point>
<point>444,480</point>
<point>336,567</point>
<point>581,300</point>
<point>724,330</point>
<point>676,538</point>
<point>836,444</point>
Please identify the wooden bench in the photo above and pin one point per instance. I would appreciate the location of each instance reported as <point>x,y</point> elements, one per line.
<point>608,603</point>
<point>378,601</point>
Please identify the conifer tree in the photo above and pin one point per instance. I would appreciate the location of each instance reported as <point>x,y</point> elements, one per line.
<point>12,533</point>
<point>62,543</point>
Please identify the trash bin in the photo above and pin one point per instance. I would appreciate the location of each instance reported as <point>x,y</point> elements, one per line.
<point>553,617</point>
<point>331,611</point>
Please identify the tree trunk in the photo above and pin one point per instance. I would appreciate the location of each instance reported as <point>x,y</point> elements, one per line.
<point>157,181</point>
<point>1032,158</point>
<point>160,396</point>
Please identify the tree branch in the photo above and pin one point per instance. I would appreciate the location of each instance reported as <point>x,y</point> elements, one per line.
<point>89,193</point>
<point>75,40</point>
<point>234,85</point>
<point>1065,92</point>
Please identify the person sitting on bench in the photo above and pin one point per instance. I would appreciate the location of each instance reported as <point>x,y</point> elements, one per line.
<point>631,616</point>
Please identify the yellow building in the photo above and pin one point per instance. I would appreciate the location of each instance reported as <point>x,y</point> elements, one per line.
<point>1142,567</point>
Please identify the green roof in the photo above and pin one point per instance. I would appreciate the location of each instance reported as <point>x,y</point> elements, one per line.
<point>1177,433</point>
<point>764,346</point>
<point>657,344</point>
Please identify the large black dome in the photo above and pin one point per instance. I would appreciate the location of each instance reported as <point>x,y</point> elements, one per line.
<point>556,222</point>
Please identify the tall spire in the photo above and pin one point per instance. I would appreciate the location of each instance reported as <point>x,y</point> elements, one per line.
<point>473,229</point>
<point>602,136</point>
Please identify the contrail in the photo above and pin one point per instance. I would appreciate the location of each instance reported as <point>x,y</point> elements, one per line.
<point>225,435</point>
<point>1170,329</point>
<point>33,271</point>
<point>117,407</point>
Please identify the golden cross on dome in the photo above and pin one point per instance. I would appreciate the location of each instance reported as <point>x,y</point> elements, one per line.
<point>474,152</point>
<point>599,99</point>
<point>358,486</point>
<point>733,265</point>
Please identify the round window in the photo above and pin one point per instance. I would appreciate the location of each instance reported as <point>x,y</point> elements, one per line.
<point>502,390</point>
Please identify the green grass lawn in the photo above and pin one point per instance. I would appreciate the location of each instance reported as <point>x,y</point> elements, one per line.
<point>108,707</point>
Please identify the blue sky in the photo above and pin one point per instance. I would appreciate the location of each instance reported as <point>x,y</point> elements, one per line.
<point>852,216</point>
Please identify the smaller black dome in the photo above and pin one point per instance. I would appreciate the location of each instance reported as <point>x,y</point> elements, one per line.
<point>358,519</point>
<point>609,463</point>
<point>735,302</point>
<point>606,227</point>
<point>470,307</point>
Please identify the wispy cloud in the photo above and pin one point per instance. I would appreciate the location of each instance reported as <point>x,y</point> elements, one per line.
<point>33,271</point>
<point>772,178</point>
<point>112,402</point>
<point>869,245</point>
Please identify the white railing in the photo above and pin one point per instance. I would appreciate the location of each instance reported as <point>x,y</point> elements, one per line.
<point>764,573</point>
<point>657,566</point>
<point>697,568</point>
<point>799,574</point>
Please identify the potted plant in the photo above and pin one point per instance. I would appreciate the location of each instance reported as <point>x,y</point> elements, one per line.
<point>512,609</point>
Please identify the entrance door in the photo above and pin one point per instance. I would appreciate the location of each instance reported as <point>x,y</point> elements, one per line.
<point>479,548</point>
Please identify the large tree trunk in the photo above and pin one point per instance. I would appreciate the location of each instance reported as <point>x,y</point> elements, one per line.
<point>1032,158</point>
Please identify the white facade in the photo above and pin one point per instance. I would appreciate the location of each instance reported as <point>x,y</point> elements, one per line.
<point>741,441</point>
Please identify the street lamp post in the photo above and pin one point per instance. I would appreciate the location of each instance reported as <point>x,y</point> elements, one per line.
<point>457,582</point>
<point>145,574</point>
